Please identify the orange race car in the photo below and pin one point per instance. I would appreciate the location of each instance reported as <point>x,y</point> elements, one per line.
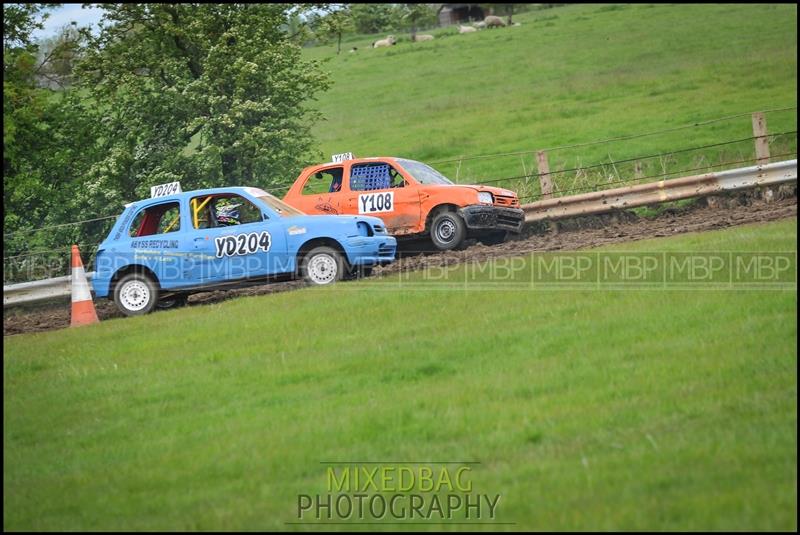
<point>410,197</point>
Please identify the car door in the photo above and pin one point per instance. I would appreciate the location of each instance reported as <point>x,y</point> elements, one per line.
<point>379,189</point>
<point>249,244</point>
<point>158,238</point>
<point>322,191</point>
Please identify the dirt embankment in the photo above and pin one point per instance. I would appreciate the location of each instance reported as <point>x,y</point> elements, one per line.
<point>578,233</point>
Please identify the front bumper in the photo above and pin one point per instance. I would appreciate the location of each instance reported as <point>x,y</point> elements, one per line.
<point>484,216</point>
<point>371,251</point>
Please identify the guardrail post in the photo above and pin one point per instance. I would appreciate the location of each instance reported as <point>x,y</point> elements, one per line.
<point>762,148</point>
<point>545,181</point>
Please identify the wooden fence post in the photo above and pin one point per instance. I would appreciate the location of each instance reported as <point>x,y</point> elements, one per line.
<point>637,170</point>
<point>762,147</point>
<point>760,133</point>
<point>545,181</point>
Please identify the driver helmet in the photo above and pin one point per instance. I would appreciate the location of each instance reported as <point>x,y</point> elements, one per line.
<point>227,213</point>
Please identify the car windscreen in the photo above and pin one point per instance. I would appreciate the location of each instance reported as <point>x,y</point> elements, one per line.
<point>424,174</point>
<point>283,209</point>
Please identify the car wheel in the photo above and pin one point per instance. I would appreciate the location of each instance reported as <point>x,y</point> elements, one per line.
<point>136,294</point>
<point>323,265</point>
<point>493,238</point>
<point>173,301</point>
<point>447,230</point>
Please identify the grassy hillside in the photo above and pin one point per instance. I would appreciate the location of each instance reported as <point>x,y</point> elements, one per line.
<point>566,75</point>
<point>587,409</point>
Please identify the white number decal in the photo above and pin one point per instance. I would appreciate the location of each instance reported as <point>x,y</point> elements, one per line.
<point>370,203</point>
<point>165,189</point>
<point>339,158</point>
<point>242,244</point>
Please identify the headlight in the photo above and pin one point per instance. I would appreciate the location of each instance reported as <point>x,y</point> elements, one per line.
<point>485,197</point>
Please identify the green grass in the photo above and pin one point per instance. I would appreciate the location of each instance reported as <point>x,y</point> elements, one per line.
<point>569,74</point>
<point>587,409</point>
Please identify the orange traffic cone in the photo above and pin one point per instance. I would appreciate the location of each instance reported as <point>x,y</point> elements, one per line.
<point>83,312</point>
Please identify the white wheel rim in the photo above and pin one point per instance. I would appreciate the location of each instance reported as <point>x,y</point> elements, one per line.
<point>134,295</point>
<point>322,269</point>
<point>446,230</point>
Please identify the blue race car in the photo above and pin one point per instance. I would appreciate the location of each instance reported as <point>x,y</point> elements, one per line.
<point>175,243</point>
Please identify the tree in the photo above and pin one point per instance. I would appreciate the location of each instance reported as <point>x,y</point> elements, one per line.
<point>19,22</point>
<point>415,14</point>
<point>57,57</point>
<point>26,111</point>
<point>334,23</point>
<point>209,94</point>
<point>373,18</point>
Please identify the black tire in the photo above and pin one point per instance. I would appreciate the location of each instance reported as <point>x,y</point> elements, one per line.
<point>136,294</point>
<point>173,301</point>
<point>494,237</point>
<point>322,265</point>
<point>447,230</point>
<point>359,272</point>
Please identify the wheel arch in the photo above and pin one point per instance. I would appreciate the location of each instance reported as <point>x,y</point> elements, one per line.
<point>318,242</point>
<point>450,207</point>
<point>131,268</point>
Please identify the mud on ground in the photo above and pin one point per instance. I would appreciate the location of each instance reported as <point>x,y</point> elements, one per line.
<point>577,233</point>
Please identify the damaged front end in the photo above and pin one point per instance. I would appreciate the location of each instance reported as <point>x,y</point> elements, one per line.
<point>489,217</point>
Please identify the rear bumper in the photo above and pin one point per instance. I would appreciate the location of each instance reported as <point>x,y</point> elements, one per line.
<point>480,216</point>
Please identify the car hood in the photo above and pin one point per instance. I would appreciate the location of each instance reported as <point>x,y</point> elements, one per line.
<point>323,221</point>
<point>493,190</point>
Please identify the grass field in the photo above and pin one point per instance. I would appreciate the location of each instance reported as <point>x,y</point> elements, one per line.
<point>587,409</point>
<point>567,75</point>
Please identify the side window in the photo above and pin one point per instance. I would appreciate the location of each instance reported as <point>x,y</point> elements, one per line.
<point>369,176</point>
<point>325,181</point>
<point>158,219</point>
<point>222,210</point>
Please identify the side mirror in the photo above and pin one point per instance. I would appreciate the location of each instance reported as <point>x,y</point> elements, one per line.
<point>264,216</point>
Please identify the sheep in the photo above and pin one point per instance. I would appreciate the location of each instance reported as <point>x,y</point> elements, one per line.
<point>422,37</point>
<point>389,41</point>
<point>479,25</point>
<point>493,21</point>
<point>355,48</point>
<point>466,29</point>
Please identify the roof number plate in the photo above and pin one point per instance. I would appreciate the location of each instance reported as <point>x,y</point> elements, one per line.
<point>339,158</point>
<point>163,190</point>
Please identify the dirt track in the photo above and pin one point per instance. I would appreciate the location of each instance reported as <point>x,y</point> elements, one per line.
<point>579,233</point>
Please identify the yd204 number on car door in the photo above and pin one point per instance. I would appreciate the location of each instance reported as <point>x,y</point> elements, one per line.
<point>242,244</point>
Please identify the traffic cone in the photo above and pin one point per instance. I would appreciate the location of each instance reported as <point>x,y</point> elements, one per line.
<point>83,312</point>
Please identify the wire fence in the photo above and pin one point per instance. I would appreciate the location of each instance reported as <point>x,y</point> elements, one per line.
<point>61,225</point>
<point>50,262</point>
<point>629,181</point>
<point>629,160</point>
<point>613,139</point>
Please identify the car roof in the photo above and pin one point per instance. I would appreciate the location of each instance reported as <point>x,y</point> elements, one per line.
<point>369,159</point>
<point>251,190</point>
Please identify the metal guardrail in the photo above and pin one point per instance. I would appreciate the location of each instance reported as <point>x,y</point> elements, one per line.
<point>38,291</point>
<point>597,202</point>
<point>675,189</point>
